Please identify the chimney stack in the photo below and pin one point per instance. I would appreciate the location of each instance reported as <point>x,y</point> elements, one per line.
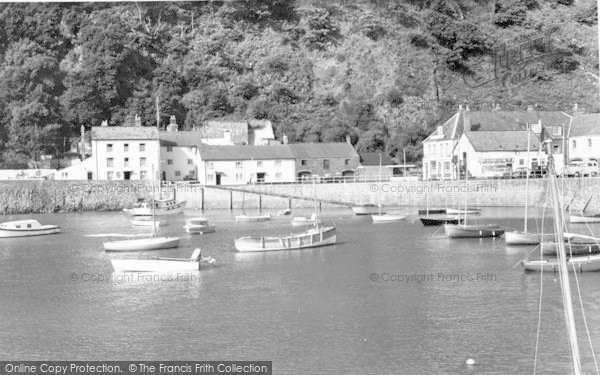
<point>172,127</point>
<point>227,136</point>
<point>284,139</point>
<point>104,123</point>
<point>348,139</point>
<point>467,120</point>
<point>137,120</point>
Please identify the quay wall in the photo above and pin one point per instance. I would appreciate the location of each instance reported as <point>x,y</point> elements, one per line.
<point>64,196</point>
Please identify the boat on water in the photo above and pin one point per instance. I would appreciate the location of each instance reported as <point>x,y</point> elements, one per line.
<point>194,263</point>
<point>284,212</point>
<point>162,207</point>
<point>147,223</point>
<point>248,218</point>
<point>387,218</point>
<point>303,220</point>
<point>550,248</point>
<point>142,244</point>
<point>512,238</point>
<point>431,221</point>
<point>365,209</point>
<point>26,228</point>
<point>315,237</point>
<point>582,263</point>
<point>198,225</point>
<point>583,218</point>
<point>473,231</point>
<point>432,211</point>
<point>458,211</point>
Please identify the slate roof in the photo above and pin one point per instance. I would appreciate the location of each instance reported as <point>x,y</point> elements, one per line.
<point>216,129</point>
<point>124,133</point>
<point>583,125</point>
<point>372,158</point>
<point>485,141</point>
<point>181,138</point>
<point>287,151</point>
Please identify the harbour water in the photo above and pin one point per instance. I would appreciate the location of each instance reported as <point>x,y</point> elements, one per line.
<point>394,298</point>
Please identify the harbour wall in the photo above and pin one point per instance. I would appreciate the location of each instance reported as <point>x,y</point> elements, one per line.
<point>46,196</point>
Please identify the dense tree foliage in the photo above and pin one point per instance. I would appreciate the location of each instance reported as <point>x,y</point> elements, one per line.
<point>379,71</point>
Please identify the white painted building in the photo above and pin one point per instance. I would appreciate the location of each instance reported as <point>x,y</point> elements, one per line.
<point>495,153</point>
<point>124,152</point>
<point>584,137</point>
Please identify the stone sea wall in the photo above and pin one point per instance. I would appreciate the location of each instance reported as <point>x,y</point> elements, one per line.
<point>65,196</point>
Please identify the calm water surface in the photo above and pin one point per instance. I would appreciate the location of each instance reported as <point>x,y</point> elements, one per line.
<point>315,311</point>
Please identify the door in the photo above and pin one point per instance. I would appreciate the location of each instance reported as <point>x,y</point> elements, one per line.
<point>127,175</point>
<point>260,177</point>
<point>218,179</point>
<point>164,176</point>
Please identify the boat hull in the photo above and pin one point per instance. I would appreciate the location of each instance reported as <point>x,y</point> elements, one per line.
<point>249,219</point>
<point>155,265</point>
<point>581,219</point>
<point>308,239</point>
<point>175,209</point>
<point>454,211</point>
<point>427,221</point>
<point>298,222</point>
<point>550,248</point>
<point>590,263</point>
<point>432,211</point>
<point>142,244</point>
<point>473,231</point>
<point>199,229</point>
<point>147,223</point>
<point>522,238</point>
<point>10,233</point>
<point>388,218</point>
<point>365,210</point>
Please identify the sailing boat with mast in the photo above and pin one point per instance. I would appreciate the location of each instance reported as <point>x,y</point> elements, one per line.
<point>141,244</point>
<point>524,237</point>
<point>471,231</point>
<point>248,218</point>
<point>315,237</point>
<point>434,221</point>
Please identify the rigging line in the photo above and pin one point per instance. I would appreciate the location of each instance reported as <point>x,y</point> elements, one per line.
<point>539,323</point>
<point>587,331</point>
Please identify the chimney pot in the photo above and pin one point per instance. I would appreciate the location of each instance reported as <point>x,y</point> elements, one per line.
<point>285,139</point>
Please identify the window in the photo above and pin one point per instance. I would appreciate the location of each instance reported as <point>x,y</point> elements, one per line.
<point>304,162</point>
<point>556,149</point>
<point>278,163</point>
<point>126,147</point>
<point>574,146</point>
<point>210,177</point>
<point>521,162</point>
<point>169,148</point>
<point>110,162</point>
<point>110,175</point>
<point>126,162</point>
<point>238,176</point>
<point>142,147</point>
<point>238,164</point>
<point>190,162</point>
<point>211,165</point>
<point>347,162</point>
<point>278,176</point>
<point>259,164</point>
<point>109,147</point>
<point>557,130</point>
<point>142,162</point>
<point>143,175</point>
<point>326,164</point>
<point>192,173</point>
<point>589,142</point>
<point>169,161</point>
<point>177,173</point>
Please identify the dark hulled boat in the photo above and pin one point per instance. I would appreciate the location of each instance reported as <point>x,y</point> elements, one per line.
<point>429,221</point>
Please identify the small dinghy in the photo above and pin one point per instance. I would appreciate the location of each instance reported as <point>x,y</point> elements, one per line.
<point>198,225</point>
<point>194,263</point>
<point>303,220</point>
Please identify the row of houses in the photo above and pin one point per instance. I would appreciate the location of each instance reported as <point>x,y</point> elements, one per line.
<point>492,144</point>
<point>221,153</point>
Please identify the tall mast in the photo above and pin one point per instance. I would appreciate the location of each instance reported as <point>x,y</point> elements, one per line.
<point>153,203</point>
<point>564,271</point>
<point>379,190</point>
<point>527,179</point>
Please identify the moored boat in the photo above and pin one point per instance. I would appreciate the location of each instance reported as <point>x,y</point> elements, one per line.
<point>473,231</point>
<point>194,263</point>
<point>582,263</point>
<point>455,211</point>
<point>550,248</point>
<point>247,218</point>
<point>163,207</point>
<point>387,218</point>
<point>432,211</point>
<point>147,223</point>
<point>311,238</point>
<point>285,212</point>
<point>430,221</point>
<point>525,238</point>
<point>303,220</point>
<point>26,228</point>
<point>142,244</point>
<point>365,209</point>
<point>198,225</point>
<point>584,218</point>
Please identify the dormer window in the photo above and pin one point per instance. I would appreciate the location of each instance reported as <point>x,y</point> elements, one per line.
<point>557,130</point>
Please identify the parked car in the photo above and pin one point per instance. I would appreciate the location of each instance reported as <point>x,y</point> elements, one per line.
<point>585,168</point>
